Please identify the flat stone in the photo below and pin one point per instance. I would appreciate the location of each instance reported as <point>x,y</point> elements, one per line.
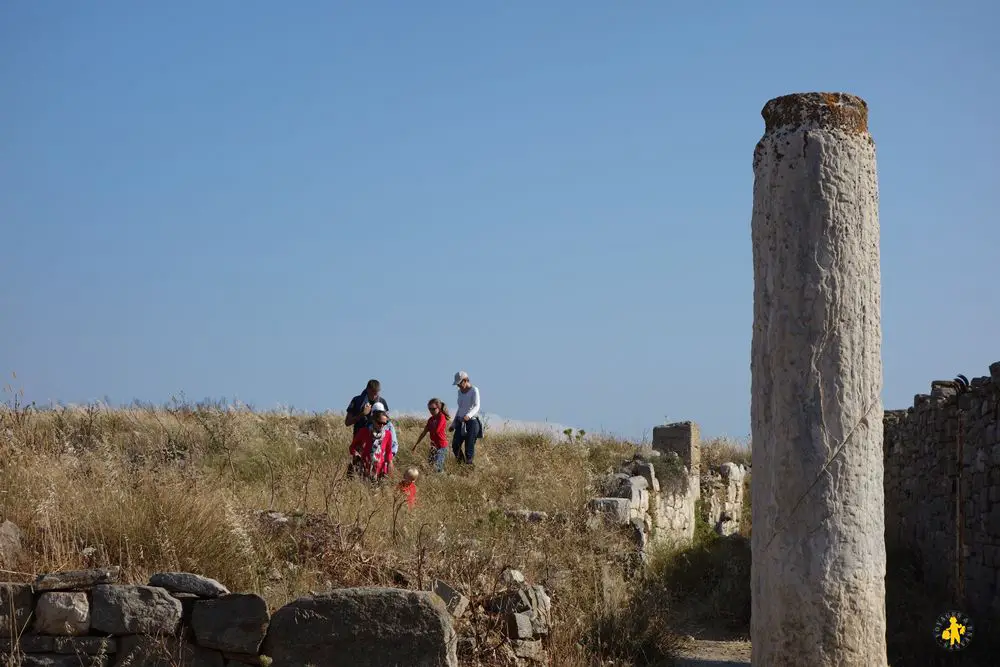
<point>236,622</point>
<point>519,626</point>
<point>16,606</point>
<point>531,650</point>
<point>62,613</point>
<point>74,580</point>
<point>186,582</point>
<point>614,510</point>
<point>126,610</point>
<point>363,627</point>
<point>455,602</point>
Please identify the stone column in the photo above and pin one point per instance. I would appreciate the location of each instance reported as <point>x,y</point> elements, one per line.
<point>816,412</point>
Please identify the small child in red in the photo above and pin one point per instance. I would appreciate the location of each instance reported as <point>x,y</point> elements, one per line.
<point>408,487</point>
<point>437,427</point>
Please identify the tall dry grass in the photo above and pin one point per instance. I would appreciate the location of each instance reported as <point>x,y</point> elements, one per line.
<point>261,502</point>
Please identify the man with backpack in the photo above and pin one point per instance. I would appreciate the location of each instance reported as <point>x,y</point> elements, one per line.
<point>360,408</point>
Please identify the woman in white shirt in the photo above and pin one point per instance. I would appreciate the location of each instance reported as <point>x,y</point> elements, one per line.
<point>467,425</point>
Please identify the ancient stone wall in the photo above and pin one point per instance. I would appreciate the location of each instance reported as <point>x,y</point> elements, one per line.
<point>88,618</point>
<point>942,487</point>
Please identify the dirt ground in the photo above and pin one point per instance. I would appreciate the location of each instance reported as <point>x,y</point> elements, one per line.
<point>711,653</point>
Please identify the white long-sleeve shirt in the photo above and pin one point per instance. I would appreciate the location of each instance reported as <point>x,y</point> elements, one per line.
<point>468,404</point>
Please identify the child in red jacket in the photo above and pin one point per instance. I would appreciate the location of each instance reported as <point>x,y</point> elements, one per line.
<point>408,487</point>
<point>437,427</point>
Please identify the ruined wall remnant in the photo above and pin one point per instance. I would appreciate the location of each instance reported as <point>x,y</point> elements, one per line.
<point>816,413</point>
<point>942,488</point>
<point>654,493</point>
<point>723,493</point>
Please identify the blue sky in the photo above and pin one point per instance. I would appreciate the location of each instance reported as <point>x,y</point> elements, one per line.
<point>273,202</point>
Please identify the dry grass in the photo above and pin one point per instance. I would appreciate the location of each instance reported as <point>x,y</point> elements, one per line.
<point>717,451</point>
<point>187,488</point>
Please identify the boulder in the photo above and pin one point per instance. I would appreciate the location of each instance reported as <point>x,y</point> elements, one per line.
<point>185,582</point>
<point>455,602</point>
<point>126,610</point>
<point>62,613</point>
<point>236,622</point>
<point>363,627</point>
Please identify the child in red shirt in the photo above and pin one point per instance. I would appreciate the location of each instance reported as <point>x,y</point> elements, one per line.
<point>408,487</point>
<point>437,427</point>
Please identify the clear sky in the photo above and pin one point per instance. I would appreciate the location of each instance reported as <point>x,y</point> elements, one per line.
<point>273,202</point>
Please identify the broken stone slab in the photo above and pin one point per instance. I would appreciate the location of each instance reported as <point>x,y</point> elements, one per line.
<point>236,623</point>
<point>531,650</point>
<point>455,602</point>
<point>125,610</point>
<point>10,544</point>
<point>135,650</point>
<point>646,470</point>
<point>518,626</point>
<point>541,610</point>
<point>363,627</point>
<point>62,613</point>
<point>614,510</point>
<point>16,606</point>
<point>75,580</point>
<point>186,582</point>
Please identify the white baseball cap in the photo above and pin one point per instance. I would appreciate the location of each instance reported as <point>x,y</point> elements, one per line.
<point>459,376</point>
<point>378,407</point>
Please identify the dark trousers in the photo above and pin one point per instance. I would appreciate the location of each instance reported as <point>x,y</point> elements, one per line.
<point>466,433</point>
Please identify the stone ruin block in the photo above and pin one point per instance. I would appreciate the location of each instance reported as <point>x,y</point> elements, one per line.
<point>682,438</point>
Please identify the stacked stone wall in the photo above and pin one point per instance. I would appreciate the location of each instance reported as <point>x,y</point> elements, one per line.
<point>942,487</point>
<point>88,618</point>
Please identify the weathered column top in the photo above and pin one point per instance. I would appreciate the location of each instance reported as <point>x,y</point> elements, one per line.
<point>821,111</point>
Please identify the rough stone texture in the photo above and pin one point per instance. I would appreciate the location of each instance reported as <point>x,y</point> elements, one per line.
<point>931,450</point>
<point>62,660</point>
<point>614,510</point>
<point>816,413</point>
<point>76,580</point>
<point>10,544</point>
<point>724,491</point>
<point>185,582</point>
<point>453,600</point>
<point>62,613</point>
<point>16,605</point>
<point>236,622</point>
<point>363,627</point>
<point>126,610</point>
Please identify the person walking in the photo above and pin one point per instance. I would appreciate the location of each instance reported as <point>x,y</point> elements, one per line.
<point>360,408</point>
<point>436,427</point>
<point>467,425</point>
<point>374,447</point>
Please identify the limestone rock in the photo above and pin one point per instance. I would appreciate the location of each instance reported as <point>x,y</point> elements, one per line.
<point>455,602</point>
<point>236,622</point>
<point>76,580</point>
<point>185,582</point>
<point>363,627</point>
<point>62,613</point>
<point>614,510</point>
<point>125,610</point>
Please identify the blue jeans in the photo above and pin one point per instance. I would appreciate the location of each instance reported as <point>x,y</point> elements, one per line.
<point>466,433</point>
<point>436,458</point>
